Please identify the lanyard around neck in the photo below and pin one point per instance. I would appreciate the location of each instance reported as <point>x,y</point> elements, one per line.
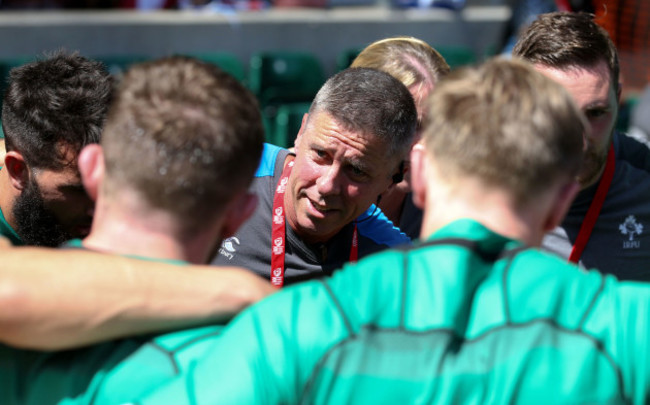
<point>278,231</point>
<point>594,209</point>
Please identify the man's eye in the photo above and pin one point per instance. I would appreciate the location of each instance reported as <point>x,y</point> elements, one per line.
<point>357,173</point>
<point>319,154</point>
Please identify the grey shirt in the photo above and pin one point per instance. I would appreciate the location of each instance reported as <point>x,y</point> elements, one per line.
<point>251,246</point>
<point>620,241</point>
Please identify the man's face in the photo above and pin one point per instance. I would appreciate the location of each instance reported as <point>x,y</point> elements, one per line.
<point>337,175</point>
<point>593,91</point>
<point>53,208</point>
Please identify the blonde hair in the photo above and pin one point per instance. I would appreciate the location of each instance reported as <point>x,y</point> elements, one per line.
<point>409,60</point>
<point>506,125</point>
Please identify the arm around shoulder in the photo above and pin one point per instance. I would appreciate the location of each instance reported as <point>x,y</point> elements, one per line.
<point>53,300</point>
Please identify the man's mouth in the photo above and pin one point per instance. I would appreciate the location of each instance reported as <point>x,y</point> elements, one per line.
<point>319,209</point>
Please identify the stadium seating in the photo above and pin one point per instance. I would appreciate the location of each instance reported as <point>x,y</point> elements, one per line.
<point>346,57</point>
<point>118,64</point>
<point>287,124</point>
<point>457,56</point>
<point>279,77</point>
<point>226,61</point>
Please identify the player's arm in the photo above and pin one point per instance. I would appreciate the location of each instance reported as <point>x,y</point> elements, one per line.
<point>61,299</point>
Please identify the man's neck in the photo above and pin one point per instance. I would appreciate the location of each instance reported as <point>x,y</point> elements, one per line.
<point>144,233</point>
<point>492,208</point>
<point>128,240</point>
<point>501,221</point>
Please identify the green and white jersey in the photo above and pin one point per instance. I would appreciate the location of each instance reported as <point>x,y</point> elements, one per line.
<point>467,317</point>
<point>116,372</point>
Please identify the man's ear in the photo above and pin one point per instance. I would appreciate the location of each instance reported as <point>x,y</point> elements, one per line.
<point>91,167</point>
<point>563,201</point>
<point>418,175</point>
<point>237,212</point>
<point>17,169</point>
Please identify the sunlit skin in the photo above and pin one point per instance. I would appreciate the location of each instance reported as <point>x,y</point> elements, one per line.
<point>337,175</point>
<point>593,91</point>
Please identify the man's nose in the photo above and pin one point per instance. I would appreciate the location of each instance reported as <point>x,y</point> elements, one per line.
<point>329,183</point>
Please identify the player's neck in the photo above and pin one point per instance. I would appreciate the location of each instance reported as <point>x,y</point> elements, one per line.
<point>492,208</point>
<point>119,230</point>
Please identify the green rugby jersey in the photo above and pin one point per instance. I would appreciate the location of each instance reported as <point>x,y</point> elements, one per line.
<point>467,317</point>
<point>115,372</point>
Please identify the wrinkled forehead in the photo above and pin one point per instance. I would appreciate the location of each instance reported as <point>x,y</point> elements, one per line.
<point>599,69</point>
<point>329,128</point>
<point>368,149</point>
<point>586,84</point>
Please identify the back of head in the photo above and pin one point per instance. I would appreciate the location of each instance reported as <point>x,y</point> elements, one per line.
<point>184,135</point>
<point>409,60</point>
<point>58,101</point>
<point>506,125</point>
<point>370,102</point>
<point>565,40</point>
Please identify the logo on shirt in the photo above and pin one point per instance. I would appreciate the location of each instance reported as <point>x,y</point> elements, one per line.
<point>228,247</point>
<point>631,228</point>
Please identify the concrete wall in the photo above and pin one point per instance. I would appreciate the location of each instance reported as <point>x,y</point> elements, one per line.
<point>323,32</point>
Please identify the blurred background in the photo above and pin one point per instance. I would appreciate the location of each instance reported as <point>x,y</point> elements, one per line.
<point>283,50</point>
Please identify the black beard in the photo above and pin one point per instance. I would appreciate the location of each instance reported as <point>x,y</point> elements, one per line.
<point>37,225</point>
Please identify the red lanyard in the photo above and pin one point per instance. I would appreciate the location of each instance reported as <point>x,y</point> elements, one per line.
<point>278,231</point>
<point>594,209</point>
